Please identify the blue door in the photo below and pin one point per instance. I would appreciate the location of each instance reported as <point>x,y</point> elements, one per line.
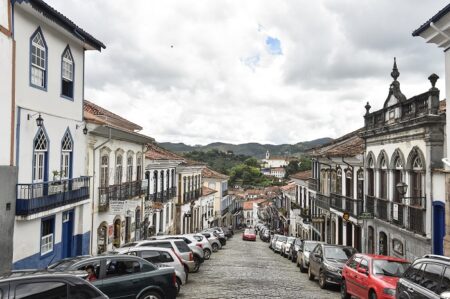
<point>67,234</point>
<point>438,227</point>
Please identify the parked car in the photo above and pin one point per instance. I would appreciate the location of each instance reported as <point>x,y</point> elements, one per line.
<point>265,235</point>
<point>125,276</point>
<point>249,235</point>
<point>326,262</point>
<point>427,277</point>
<point>227,232</point>
<point>292,254</point>
<point>279,243</point>
<point>160,256</point>
<point>304,252</point>
<point>272,241</point>
<point>286,247</point>
<point>215,243</point>
<point>199,254</point>
<point>42,284</point>
<point>179,246</point>
<point>372,276</point>
<point>202,242</point>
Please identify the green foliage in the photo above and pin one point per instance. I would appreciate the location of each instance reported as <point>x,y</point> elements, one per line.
<point>292,167</point>
<point>305,163</point>
<point>251,162</point>
<point>217,160</point>
<point>247,175</point>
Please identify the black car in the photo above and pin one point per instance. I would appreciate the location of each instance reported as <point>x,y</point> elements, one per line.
<point>124,276</point>
<point>43,284</point>
<point>427,277</point>
<point>326,262</point>
<point>293,250</point>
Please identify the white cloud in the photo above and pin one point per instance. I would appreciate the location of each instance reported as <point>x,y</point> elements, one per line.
<point>201,71</point>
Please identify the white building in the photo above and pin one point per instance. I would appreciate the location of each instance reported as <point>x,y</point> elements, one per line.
<point>274,161</point>
<point>219,182</point>
<point>278,172</point>
<point>53,206</point>
<point>115,159</point>
<point>160,171</point>
<point>203,212</point>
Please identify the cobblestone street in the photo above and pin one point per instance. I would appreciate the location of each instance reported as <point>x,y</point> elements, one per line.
<point>246,269</point>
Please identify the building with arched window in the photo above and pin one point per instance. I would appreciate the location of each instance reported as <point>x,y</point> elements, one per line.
<point>403,170</point>
<point>52,205</point>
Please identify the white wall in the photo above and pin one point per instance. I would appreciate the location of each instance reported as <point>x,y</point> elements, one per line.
<point>49,101</point>
<point>447,96</point>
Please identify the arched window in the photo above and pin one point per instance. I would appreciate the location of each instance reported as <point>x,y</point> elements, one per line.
<point>339,181</point>
<point>66,156</point>
<point>383,177</point>
<point>333,181</point>
<point>40,157</point>
<point>104,170</point>
<point>67,73</point>
<point>155,182</point>
<point>173,177</point>
<point>397,172</point>
<point>168,179</point>
<point>417,177</point>
<point>38,63</point>
<point>119,169</point>
<point>138,167</point>
<point>370,177</point>
<point>129,168</point>
<point>360,184</point>
<point>349,183</point>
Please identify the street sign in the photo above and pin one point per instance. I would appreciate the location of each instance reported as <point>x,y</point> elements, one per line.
<point>365,215</point>
<point>346,216</point>
<point>318,219</point>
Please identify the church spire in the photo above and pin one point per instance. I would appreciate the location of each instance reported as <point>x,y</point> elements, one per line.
<point>395,73</point>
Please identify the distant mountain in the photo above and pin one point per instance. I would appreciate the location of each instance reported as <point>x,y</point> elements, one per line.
<point>256,150</point>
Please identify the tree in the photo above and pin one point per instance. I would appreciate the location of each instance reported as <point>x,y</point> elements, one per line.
<point>305,163</point>
<point>252,162</point>
<point>292,167</point>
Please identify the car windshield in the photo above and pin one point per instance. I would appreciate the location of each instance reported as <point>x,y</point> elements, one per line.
<point>338,253</point>
<point>309,246</point>
<point>132,244</point>
<point>389,268</point>
<point>291,240</point>
<point>182,246</point>
<point>298,242</point>
<point>282,238</point>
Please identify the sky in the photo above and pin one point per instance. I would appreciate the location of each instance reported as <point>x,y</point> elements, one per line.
<point>202,71</point>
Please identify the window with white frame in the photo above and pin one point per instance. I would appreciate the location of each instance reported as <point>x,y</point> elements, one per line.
<point>40,156</point>
<point>47,235</point>
<point>129,168</point>
<point>66,156</point>
<point>104,171</point>
<point>119,171</point>
<point>138,168</point>
<point>67,74</point>
<point>38,60</point>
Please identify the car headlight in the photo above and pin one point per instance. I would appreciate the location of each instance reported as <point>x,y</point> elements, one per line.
<point>332,268</point>
<point>389,291</point>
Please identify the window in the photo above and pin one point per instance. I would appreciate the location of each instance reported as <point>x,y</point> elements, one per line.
<point>364,265</point>
<point>353,263</point>
<point>151,256</point>
<point>138,168</point>
<point>104,171</point>
<point>40,156</point>
<point>383,178</point>
<point>38,64</point>
<point>66,156</point>
<point>119,171</point>
<point>182,246</point>
<point>129,168</point>
<point>431,277</point>
<point>414,273</point>
<point>116,268</point>
<point>67,73</point>
<point>48,290</point>
<point>339,181</point>
<point>84,291</point>
<point>47,231</point>
<point>360,184</point>
<point>445,283</point>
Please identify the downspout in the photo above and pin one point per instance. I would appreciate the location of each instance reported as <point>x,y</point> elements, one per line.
<point>93,185</point>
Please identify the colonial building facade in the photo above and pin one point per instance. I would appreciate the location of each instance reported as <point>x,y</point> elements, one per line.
<point>53,191</point>
<point>219,182</point>
<point>116,163</point>
<point>403,173</point>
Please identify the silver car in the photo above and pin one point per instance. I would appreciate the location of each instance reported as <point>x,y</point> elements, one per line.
<point>215,243</point>
<point>279,243</point>
<point>287,246</point>
<point>192,243</point>
<point>179,246</point>
<point>203,243</point>
<point>303,254</point>
<point>160,256</point>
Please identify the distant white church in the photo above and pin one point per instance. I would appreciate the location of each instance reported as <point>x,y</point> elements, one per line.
<point>274,161</point>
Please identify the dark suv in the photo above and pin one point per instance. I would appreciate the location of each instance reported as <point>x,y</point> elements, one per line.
<point>41,284</point>
<point>427,277</point>
<point>326,262</point>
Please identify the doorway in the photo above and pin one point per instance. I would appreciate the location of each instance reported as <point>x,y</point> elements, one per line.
<point>117,228</point>
<point>383,241</point>
<point>67,233</point>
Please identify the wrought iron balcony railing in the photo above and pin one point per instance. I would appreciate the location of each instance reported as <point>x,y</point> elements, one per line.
<point>347,204</point>
<point>322,201</point>
<point>123,191</point>
<point>38,197</point>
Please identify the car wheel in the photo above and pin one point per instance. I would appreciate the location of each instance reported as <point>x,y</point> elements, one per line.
<point>310,275</point>
<point>372,295</point>
<point>197,265</point>
<point>207,254</point>
<point>322,280</point>
<point>215,247</point>
<point>344,294</point>
<point>151,295</point>
<point>302,267</point>
<point>293,259</point>
<point>178,285</point>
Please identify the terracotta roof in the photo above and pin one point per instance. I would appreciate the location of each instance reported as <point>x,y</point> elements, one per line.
<point>156,152</point>
<point>348,145</point>
<point>302,175</point>
<point>209,173</point>
<point>207,191</point>
<point>107,117</point>
<point>248,205</point>
<point>288,187</point>
<point>188,162</point>
<point>278,158</point>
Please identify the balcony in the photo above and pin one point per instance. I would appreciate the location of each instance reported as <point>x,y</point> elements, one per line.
<point>224,193</point>
<point>224,211</point>
<point>323,201</point>
<point>123,191</point>
<point>312,184</point>
<point>408,214</point>
<point>40,197</point>
<point>347,204</point>
<point>172,192</point>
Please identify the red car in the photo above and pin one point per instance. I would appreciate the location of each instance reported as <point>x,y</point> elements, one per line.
<point>249,235</point>
<point>372,276</point>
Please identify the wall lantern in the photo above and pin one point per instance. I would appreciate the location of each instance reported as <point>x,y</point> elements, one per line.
<point>402,188</point>
<point>39,119</point>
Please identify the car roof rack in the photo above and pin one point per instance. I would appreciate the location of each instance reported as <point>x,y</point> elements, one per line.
<point>435,256</point>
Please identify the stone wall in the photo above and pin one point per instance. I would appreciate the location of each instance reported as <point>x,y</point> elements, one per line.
<point>8,180</point>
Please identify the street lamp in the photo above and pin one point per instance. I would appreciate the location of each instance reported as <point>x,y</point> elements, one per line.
<point>402,187</point>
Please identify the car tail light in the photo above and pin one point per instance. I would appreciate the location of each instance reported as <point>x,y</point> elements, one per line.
<point>174,279</point>
<point>200,245</point>
<point>191,256</point>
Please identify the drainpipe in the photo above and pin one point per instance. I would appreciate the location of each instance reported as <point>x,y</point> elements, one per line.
<point>93,185</point>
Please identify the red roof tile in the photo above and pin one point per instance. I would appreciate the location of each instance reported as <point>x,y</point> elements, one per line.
<point>156,152</point>
<point>207,191</point>
<point>209,173</point>
<point>302,175</point>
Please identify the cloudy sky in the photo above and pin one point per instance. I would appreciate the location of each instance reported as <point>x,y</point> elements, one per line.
<point>200,71</point>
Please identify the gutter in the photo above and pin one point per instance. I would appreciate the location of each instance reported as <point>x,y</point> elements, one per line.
<point>93,187</point>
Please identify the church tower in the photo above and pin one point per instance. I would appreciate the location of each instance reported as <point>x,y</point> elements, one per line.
<point>267,155</point>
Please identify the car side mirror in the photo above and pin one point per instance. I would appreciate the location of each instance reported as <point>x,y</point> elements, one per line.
<point>445,295</point>
<point>364,271</point>
<point>317,255</point>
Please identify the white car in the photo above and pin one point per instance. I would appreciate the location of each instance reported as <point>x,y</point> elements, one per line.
<point>287,246</point>
<point>205,245</point>
<point>160,256</point>
<point>279,243</point>
<point>215,243</point>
